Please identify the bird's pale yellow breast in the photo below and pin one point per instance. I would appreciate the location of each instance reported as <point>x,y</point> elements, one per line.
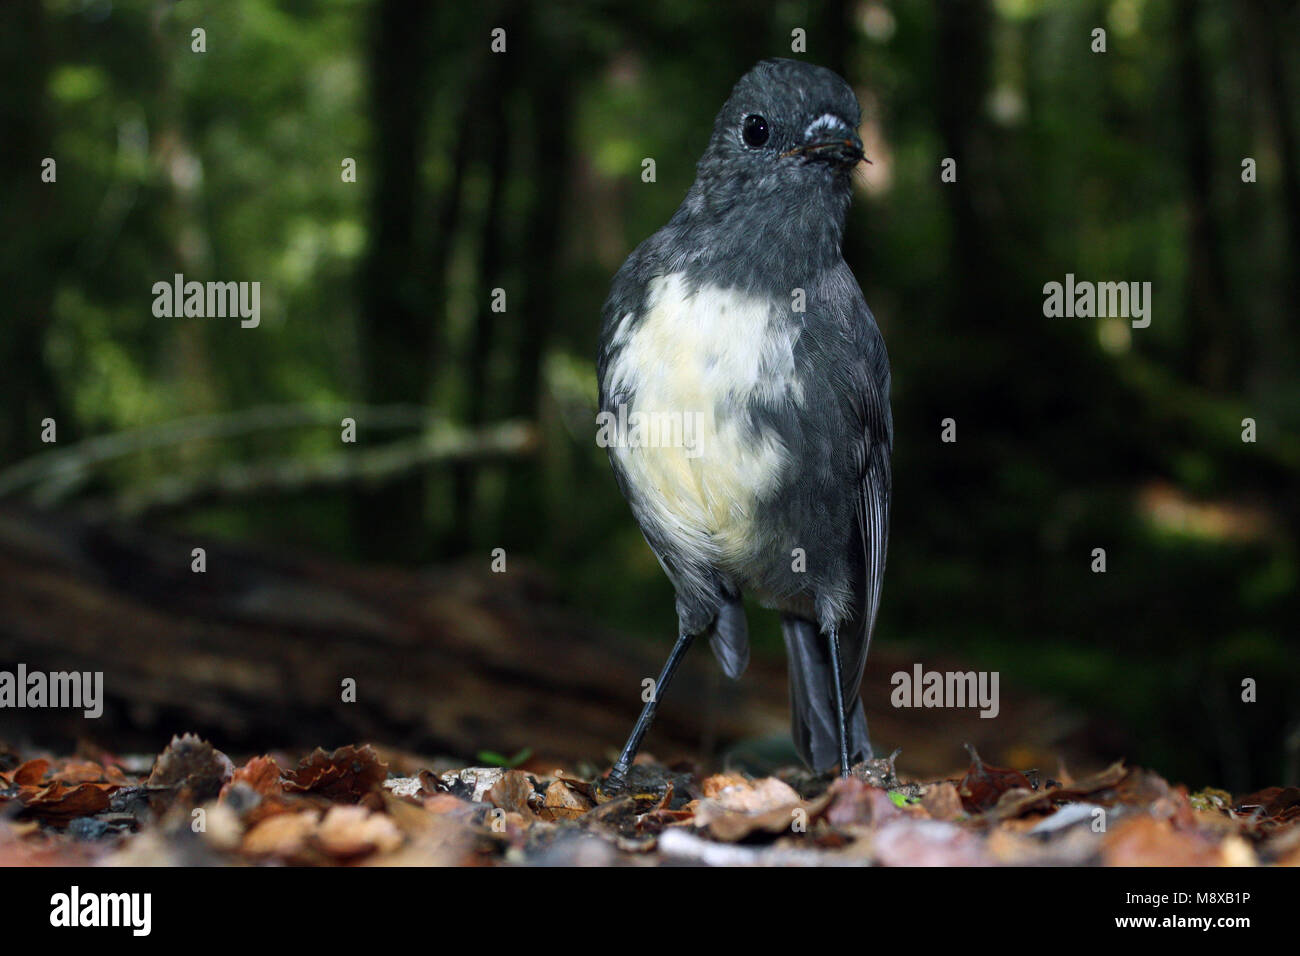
<point>700,357</point>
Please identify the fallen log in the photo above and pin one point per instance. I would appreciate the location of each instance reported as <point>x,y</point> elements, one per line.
<point>256,652</point>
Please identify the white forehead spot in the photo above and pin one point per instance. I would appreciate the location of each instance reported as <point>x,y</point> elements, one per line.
<point>825,121</point>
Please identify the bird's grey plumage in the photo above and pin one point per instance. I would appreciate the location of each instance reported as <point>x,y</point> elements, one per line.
<point>788,497</point>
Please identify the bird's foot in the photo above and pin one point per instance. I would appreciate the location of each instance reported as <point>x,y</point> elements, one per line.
<point>613,785</point>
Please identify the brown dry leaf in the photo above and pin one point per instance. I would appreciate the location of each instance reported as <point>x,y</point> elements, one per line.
<point>256,791</point>
<point>1009,844</point>
<point>574,782</point>
<point>984,785</point>
<point>562,802</point>
<point>431,783</point>
<point>730,826</point>
<point>283,835</point>
<point>1017,802</point>
<point>1146,841</point>
<point>855,802</point>
<point>1283,848</point>
<point>758,797</point>
<point>1142,788</point>
<point>346,775</point>
<point>59,802</point>
<point>30,774</point>
<point>507,826</point>
<point>192,768</point>
<point>447,803</point>
<point>348,832</point>
<point>80,771</point>
<point>410,818</point>
<point>431,839</point>
<point>734,807</point>
<point>942,801</point>
<point>1153,795</point>
<point>1106,779</point>
<point>261,774</point>
<point>908,841</point>
<point>713,786</point>
<point>512,792</point>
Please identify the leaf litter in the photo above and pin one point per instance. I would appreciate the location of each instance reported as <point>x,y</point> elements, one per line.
<point>358,806</point>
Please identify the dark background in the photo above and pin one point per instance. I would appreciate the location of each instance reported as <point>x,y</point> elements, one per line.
<point>522,172</point>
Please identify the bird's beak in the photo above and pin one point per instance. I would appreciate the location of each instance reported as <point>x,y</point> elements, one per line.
<point>836,144</point>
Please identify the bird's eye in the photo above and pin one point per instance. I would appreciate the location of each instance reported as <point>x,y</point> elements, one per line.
<point>754,130</point>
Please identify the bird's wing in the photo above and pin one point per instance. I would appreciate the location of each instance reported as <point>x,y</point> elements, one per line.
<point>864,380</point>
<point>869,384</point>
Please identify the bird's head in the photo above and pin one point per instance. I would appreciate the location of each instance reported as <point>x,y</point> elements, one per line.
<point>787,125</point>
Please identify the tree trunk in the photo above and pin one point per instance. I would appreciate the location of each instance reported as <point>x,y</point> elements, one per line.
<point>1214,342</point>
<point>396,332</point>
<point>32,227</point>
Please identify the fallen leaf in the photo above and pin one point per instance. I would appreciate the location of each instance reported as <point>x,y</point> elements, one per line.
<point>441,803</point>
<point>347,774</point>
<point>1146,841</point>
<point>192,769</point>
<point>920,842</point>
<point>261,774</point>
<point>942,801</point>
<point>714,786</point>
<point>563,802</point>
<point>351,831</point>
<point>59,802</point>
<point>256,791</point>
<point>512,792</point>
<point>80,771</point>
<point>284,835</point>
<point>30,774</point>
<point>1106,779</point>
<point>854,802</point>
<point>731,826</point>
<point>984,785</point>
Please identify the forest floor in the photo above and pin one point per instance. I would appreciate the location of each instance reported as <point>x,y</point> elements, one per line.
<point>191,805</point>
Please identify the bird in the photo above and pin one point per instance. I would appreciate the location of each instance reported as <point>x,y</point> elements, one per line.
<point>745,405</point>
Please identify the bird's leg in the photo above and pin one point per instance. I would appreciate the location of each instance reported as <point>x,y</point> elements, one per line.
<point>618,775</point>
<point>834,635</point>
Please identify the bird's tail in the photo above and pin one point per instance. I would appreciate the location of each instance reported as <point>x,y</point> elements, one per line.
<point>814,721</point>
<point>730,638</point>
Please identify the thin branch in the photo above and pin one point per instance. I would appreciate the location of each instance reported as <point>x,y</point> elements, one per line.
<point>67,466</point>
<point>356,466</point>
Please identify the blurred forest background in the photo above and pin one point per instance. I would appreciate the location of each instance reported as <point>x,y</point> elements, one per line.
<point>522,171</point>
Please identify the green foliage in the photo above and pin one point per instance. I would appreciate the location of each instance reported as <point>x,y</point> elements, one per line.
<point>490,758</point>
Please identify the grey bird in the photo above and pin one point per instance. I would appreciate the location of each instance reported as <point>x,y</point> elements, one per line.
<point>744,400</point>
